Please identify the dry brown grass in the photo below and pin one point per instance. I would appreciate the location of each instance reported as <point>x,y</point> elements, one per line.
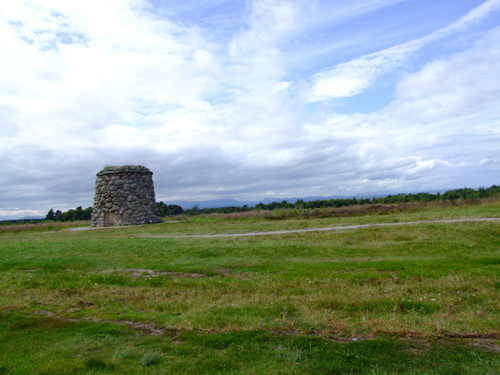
<point>352,211</point>
<point>42,226</point>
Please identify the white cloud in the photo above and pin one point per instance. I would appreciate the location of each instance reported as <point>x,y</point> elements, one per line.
<point>465,86</point>
<point>445,118</point>
<point>346,79</point>
<point>353,77</point>
<point>83,85</point>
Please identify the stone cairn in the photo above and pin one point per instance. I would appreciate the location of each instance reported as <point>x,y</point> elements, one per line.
<point>124,196</point>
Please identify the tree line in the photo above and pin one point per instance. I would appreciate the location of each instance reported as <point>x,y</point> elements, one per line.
<point>79,213</point>
<point>462,193</point>
<point>173,210</point>
<point>169,210</point>
<point>71,215</point>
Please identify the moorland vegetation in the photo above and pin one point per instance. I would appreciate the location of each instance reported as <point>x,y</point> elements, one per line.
<point>420,298</point>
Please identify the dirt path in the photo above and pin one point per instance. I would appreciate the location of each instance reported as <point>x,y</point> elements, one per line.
<point>79,229</point>
<point>358,226</point>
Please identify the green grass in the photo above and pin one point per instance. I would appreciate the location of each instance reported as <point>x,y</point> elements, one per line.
<point>420,298</point>
<point>86,348</point>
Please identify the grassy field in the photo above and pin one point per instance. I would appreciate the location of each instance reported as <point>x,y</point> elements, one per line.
<point>414,299</point>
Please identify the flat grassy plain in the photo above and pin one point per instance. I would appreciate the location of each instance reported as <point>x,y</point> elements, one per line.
<point>411,299</point>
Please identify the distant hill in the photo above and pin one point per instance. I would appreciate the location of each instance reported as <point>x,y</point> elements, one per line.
<point>217,203</point>
<point>7,218</point>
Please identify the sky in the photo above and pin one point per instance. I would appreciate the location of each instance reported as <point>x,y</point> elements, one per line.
<point>247,99</point>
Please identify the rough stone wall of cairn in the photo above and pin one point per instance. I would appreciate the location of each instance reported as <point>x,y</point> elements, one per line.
<point>124,196</point>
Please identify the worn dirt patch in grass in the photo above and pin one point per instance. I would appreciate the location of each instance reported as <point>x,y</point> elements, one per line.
<point>144,272</point>
<point>490,341</point>
<point>488,344</point>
